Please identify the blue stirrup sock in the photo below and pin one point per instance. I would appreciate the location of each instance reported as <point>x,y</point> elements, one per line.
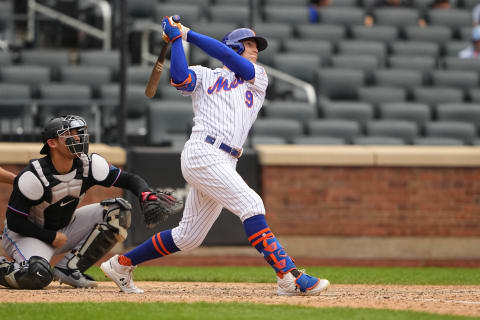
<point>262,238</point>
<point>159,245</point>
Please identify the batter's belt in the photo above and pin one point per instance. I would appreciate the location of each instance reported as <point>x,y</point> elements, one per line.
<point>234,152</point>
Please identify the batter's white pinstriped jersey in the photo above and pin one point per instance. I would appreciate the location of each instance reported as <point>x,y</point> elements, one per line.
<point>225,108</point>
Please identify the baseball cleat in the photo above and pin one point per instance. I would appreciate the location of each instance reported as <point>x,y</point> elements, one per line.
<point>121,275</point>
<point>74,278</point>
<point>304,285</point>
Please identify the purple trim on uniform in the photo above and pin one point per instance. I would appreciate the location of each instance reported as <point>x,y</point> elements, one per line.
<point>18,211</point>
<point>118,175</point>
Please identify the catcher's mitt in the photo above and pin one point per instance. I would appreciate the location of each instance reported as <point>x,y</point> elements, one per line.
<point>158,205</point>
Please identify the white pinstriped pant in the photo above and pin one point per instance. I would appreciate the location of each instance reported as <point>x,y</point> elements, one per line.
<point>215,184</point>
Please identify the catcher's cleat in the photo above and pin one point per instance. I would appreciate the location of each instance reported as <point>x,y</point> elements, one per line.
<point>121,275</point>
<point>74,278</point>
<point>303,285</point>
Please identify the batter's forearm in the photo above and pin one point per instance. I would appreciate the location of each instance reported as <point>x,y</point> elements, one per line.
<point>6,176</point>
<point>227,56</point>
<point>178,62</point>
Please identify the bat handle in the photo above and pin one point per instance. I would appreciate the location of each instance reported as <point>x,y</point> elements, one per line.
<point>176,18</point>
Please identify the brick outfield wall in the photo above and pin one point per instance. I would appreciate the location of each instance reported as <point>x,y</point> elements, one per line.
<point>372,201</point>
<point>94,195</point>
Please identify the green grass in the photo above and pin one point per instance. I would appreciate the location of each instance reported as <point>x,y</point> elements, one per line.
<point>336,275</point>
<point>178,311</point>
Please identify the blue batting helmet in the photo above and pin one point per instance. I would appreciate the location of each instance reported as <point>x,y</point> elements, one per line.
<point>476,33</point>
<point>234,39</point>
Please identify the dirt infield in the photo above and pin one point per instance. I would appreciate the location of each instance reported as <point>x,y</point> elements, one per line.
<point>458,300</point>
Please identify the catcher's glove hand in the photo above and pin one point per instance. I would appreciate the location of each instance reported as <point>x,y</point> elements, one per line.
<point>158,206</point>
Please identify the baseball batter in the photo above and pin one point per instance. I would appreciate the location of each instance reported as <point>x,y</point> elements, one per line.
<point>226,102</point>
<point>6,176</point>
<point>42,218</point>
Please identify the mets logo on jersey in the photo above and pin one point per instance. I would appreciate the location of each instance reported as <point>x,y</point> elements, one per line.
<point>222,84</point>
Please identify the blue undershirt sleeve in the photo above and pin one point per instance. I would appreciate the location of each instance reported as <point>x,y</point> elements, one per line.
<point>214,48</point>
<point>178,62</point>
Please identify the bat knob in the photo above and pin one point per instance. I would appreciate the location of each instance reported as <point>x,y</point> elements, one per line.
<point>176,18</point>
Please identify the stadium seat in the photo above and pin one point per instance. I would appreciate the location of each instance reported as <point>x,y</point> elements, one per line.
<point>6,59</point>
<point>189,13</point>
<point>300,65</point>
<point>278,31</point>
<point>401,129</point>
<point>345,16</point>
<point>380,94</point>
<point>378,141</point>
<point>168,120</point>
<point>322,48</point>
<point>436,141</point>
<point>455,79</point>
<point>452,18</point>
<point>367,63</point>
<point>436,34</point>
<point>101,58</point>
<point>449,129</point>
<point>419,63</point>
<point>256,140</point>
<point>374,48</point>
<point>419,113</point>
<point>344,3</point>
<point>309,140</point>
<point>302,112</point>
<point>137,102</point>
<point>293,15</point>
<point>232,2</point>
<point>344,129</point>
<point>469,4</point>
<point>396,17</point>
<point>229,14</point>
<point>454,63</point>
<point>399,78</point>
<point>434,95</point>
<point>474,95</point>
<point>15,103</point>
<point>46,58</point>
<point>283,128</point>
<point>340,84</point>
<point>415,48</point>
<point>422,4</point>
<point>326,32</point>
<point>385,34</point>
<point>452,48</point>
<point>138,74</point>
<point>462,112</point>
<point>274,3</point>
<point>360,112</point>
<point>94,76</point>
<point>466,33</point>
<point>141,9</point>
<point>32,75</point>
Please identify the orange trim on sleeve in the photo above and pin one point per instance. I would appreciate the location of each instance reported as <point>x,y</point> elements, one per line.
<point>265,237</point>
<point>253,236</point>
<point>184,83</point>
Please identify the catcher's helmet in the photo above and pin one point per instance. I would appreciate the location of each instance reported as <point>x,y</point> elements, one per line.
<point>60,127</point>
<point>234,39</point>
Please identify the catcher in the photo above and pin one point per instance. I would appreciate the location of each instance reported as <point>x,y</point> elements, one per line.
<point>42,218</point>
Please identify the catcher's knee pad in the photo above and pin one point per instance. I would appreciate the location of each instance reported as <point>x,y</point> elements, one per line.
<point>32,274</point>
<point>105,235</point>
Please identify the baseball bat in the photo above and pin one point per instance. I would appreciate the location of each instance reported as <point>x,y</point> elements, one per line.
<point>154,79</point>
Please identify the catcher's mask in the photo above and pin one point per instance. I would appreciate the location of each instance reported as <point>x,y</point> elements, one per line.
<point>235,40</point>
<point>60,127</point>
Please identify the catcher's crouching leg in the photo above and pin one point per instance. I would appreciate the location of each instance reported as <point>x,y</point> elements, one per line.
<point>105,235</point>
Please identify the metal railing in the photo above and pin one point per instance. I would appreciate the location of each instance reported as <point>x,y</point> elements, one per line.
<point>105,35</point>
<point>149,27</point>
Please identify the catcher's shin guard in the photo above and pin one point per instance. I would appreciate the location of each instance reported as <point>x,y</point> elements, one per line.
<point>117,219</point>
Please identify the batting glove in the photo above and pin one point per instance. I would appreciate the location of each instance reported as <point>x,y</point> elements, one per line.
<point>171,30</point>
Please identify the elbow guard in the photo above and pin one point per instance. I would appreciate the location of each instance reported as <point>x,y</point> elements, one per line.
<point>188,84</point>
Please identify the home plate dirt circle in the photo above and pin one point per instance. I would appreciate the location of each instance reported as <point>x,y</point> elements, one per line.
<point>458,300</point>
